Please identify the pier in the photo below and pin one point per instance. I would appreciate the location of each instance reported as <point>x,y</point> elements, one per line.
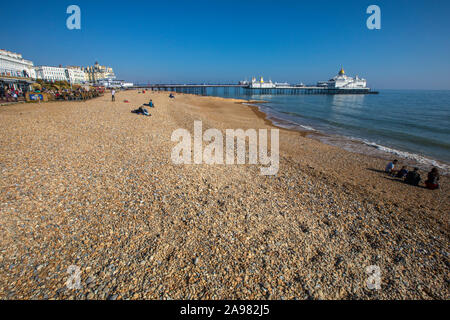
<point>198,89</point>
<point>239,89</point>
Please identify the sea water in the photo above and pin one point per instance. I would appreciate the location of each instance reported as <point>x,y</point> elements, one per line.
<point>410,124</point>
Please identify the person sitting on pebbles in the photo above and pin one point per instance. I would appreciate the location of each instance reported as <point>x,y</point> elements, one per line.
<point>433,179</point>
<point>150,104</point>
<point>142,111</point>
<point>390,167</point>
<point>413,177</point>
<point>402,173</point>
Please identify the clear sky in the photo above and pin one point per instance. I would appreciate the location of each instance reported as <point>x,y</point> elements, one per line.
<point>227,41</point>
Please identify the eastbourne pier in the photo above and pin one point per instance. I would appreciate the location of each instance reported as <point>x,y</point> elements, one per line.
<point>340,84</point>
<point>238,89</point>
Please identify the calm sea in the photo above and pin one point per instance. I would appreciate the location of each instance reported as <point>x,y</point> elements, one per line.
<point>411,124</point>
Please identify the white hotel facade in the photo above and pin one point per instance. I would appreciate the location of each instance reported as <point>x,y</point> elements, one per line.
<point>48,73</point>
<point>14,65</point>
<point>342,81</point>
<point>73,75</point>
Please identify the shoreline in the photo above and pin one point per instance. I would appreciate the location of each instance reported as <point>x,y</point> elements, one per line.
<point>262,115</point>
<point>358,146</point>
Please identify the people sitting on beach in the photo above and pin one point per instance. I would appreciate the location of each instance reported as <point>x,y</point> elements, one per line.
<point>390,167</point>
<point>150,104</point>
<point>171,96</point>
<point>402,172</point>
<point>433,179</point>
<point>142,111</point>
<point>413,177</point>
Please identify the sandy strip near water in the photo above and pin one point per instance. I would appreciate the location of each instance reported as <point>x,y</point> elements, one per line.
<point>92,185</point>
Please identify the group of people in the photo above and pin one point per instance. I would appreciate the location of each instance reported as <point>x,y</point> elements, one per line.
<point>413,177</point>
<point>11,94</point>
<point>144,111</point>
<point>141,110</point>
<point>53,93</point>
<point>79,93</point>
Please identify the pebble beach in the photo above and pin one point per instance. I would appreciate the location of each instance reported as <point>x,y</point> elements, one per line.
<point>92,185</point>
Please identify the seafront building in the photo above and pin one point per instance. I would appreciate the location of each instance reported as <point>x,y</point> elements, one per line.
<point>71,74</point>
<point>342,81</point>
<point>96,73</point>
<point>76,74</point>
<point>14,65</point>
<point>16,72</point>
<point>114,83</point>
<point>51,74</point>
<point>261,84</point>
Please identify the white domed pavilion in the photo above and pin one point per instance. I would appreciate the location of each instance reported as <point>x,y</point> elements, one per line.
<point>342,81</point>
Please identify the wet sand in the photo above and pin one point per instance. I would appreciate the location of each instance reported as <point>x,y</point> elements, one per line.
<point>92,185</point>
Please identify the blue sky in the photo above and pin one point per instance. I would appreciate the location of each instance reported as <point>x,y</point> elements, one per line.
<point>226,41</point>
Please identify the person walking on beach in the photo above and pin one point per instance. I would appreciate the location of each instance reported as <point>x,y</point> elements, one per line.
<point>433,179</point>
<point>113,95</point>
